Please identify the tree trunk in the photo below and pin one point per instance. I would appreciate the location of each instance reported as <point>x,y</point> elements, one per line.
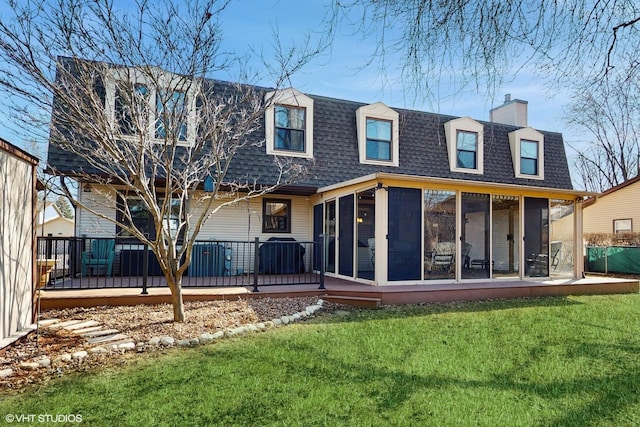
<point>176,298</point>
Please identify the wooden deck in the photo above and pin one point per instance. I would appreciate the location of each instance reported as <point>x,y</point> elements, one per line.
<point>348,292</point>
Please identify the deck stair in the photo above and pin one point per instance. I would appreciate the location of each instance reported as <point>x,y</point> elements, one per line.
<point>355,301</point>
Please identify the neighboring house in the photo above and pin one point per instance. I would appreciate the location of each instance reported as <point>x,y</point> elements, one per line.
<point>51,222</point>
<point>617,210</point>
<point>402,196</point>
<point>17,235</point>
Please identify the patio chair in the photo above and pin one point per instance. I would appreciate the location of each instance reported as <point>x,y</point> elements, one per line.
<point>444,256</point>
<point>101,255</point>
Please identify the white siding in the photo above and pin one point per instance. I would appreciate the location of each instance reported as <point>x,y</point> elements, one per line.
<point>16,243</point>
<point>102,201</point>
<point>621,204</point>
<point>243,221</point>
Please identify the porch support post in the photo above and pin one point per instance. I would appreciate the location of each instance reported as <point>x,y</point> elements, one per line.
<point>578,242</point>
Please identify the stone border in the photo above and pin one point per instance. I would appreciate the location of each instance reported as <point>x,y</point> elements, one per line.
<point>78,357</point>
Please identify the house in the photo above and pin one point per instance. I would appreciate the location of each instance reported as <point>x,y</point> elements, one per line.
<point>614,211</point>
<point>51,222</point>
<point>400,196</point>
<point>17,235</point>
<point>612,229</point>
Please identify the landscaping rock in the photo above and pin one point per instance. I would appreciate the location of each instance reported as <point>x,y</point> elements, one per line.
<point>269,324</point>
<point>44,362</point>
<point>79,355</point>
<point>126,346</point>
<point>167,340</point>
<point>253,328</point>
<point>206,337</point>
<point>277,322</point>
<point>154,341</point>
<point>30,366</point>
<point>4,373</point>
<point>183,343</point>
<point>261,326</point>
<point>218,335</point>
<point>65,358</point>
<point>285,320</point>
<point>99,350</point>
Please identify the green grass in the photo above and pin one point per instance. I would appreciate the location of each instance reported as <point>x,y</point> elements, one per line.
<point>543,362</point>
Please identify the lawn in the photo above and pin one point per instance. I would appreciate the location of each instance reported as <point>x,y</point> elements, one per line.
<point>548,361</point>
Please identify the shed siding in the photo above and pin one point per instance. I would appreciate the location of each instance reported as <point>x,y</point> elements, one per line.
<point>16,243</point>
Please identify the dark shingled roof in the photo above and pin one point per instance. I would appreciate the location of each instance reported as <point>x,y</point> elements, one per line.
<point>423,152</point>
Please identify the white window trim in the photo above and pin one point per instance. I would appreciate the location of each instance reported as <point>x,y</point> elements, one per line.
<point>464,124</point>
<point>378,111</point>
<point>292,98</point>
<point>152,80</point>
<point>528,134</point>
<point>617,231</point>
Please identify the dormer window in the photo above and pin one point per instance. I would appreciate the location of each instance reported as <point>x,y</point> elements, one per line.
<point>290,128</point>
<point>378,139</point>
<point>528,157</point>
<point>154,104</point>
<point>527,153</point>
<point>467,147</point>
<point>289,123</point>
<point>377,129</point>
<point>465,138</point>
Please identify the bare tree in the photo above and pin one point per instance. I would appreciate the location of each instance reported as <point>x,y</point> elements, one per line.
<point>610,112</point>
<point>131,98</point>
<point>483,42</point>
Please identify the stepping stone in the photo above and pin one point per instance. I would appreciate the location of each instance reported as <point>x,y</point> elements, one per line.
<point>63,324</point>
<point>99,333</point>
<point>47,322</point>
<point>107,338</point>
<point>86,330</point>
<point>81,325</point>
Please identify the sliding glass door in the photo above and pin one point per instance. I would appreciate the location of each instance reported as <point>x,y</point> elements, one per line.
<point>505,236</point>
<point>536,237</point>
<point>475,252</point>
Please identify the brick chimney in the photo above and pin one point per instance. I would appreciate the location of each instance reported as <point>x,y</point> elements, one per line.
<point>511,112</point>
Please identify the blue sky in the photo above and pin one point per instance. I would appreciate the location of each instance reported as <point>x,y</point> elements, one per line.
<point>340,72</point>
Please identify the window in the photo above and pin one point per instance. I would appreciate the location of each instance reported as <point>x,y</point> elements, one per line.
<point>289,123</point>
<point>528,157</point>
<point>377,131</point>
<point>131,113</point>
<point>467,150</point>
<point>290,127</point>
<point>154,104</point>
<point>622,226</point>
<point>465,145</point>
<point>276,216</point>
<point>141,217</point>
<point>527,153</point>
<point>378,139</point>
<point>171,114</point>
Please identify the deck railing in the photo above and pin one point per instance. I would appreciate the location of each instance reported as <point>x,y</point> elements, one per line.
<point>89,263</point>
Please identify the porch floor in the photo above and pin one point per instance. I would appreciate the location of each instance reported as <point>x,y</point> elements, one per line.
<point>348,292</point>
